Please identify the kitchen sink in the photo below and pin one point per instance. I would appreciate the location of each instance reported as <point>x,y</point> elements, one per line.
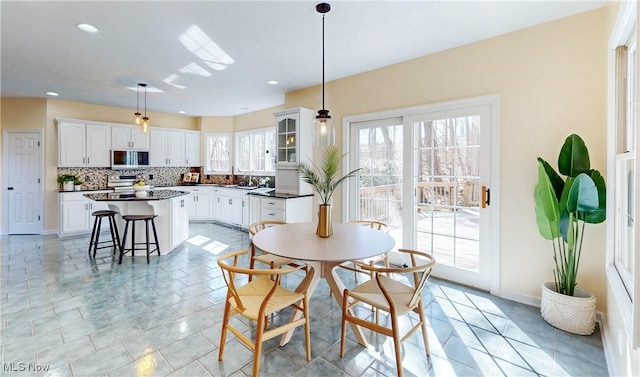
<point>247,187</point>
<point>264,190</point>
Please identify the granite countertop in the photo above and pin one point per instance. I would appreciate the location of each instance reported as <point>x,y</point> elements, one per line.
<point>279,195</point>
<point>120,196</point>
<point>85,191</point>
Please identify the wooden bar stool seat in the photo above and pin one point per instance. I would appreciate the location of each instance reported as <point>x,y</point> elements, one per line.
<point>95,242</point>
<point>134,245</point>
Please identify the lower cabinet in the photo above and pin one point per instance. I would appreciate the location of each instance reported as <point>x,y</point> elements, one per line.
<point>179,227</point>
<point>289,210</point>
<point>229,206</point>
<point>75,214</point>
<point>199,203</point>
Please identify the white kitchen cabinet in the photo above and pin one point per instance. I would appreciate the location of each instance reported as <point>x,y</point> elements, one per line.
<point>129,137</point>
<point>179,227</point>
<point>75,214</point>
<point>293,135</point>
<point>230,206</point>
<point>83,145</point>
<point>254,209</point>
<point>192,148</point>
<point>198,202</point>
<point>167,148</point>
<point>289,210</point>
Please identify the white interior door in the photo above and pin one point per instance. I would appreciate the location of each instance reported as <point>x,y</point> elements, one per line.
<point>23,182</point>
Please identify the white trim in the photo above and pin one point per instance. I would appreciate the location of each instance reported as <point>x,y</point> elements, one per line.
<point>626,20</point>
<point>5,168</point>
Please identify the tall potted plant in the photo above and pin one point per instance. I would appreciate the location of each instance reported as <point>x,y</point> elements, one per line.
<point>324,180</point>
<point>563,208</point>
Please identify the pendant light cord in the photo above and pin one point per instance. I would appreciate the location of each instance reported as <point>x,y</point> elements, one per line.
<point>323,62</point>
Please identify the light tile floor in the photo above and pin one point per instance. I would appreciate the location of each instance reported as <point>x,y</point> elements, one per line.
<point>74,316</point>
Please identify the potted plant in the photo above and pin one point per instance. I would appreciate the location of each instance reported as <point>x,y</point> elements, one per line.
<point>67,181</point>
<point>563,207</point>
<point>324,180</point>
<point>77,183</point>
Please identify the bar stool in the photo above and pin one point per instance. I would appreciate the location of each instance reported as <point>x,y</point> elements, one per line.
<point>114,242</point>
<point>132,219</point>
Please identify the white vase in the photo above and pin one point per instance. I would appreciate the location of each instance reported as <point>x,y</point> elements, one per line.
<point>575,314</point>
<point>67,186</point>
<point>78,187</point>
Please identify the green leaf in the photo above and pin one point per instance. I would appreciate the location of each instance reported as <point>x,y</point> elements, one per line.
<point>583,195</point>
<point>547,208</point>
<point>574,157</point>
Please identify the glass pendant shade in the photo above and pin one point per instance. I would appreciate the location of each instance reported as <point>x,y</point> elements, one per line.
<point>145,124</point>
<point>324,131</point>
<point>138,118</point>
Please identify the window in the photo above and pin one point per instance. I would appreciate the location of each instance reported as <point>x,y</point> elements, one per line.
<point>622,263</point>
<point>218,153</point>
<point>255,152</point>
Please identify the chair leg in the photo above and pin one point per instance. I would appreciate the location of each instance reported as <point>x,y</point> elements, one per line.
<point>225,322</point>
<point>93,235</point>
<point>133,239</point>
<point>117,235</point>
<point>124,242</point>
<point>307,327</point>
<point>155,236</point>
<point>146,223</point>
<point>343,330</point>
<point>95,245</point>
<point>396,343</point>
<point>114,240</point>
<point>258,347</point>
<point>423,319</point>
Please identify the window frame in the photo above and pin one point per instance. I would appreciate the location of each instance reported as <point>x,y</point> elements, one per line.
<point>207,136</point>
<point>269,151</point>
<point>624,31</point>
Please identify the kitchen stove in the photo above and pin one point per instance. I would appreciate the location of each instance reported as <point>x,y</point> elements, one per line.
<point>121,182</point>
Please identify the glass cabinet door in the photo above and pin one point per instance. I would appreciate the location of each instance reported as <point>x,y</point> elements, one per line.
<point>287,139</point>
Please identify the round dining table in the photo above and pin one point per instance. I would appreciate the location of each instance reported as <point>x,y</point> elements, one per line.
<point>299,241</point>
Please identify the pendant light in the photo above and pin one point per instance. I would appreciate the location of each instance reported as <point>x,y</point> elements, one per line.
<point>324,132</point>
<point>145,119</point>
<point>137,115</point>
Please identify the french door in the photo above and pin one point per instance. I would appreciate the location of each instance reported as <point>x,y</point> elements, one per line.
<point>427,174</point>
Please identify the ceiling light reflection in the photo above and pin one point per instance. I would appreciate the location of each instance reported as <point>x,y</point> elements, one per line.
<point>199,43</point>
<point>195,69</point>
<point>169,80</point>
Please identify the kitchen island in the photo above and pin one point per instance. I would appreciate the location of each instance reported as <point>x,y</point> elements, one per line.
<point>172,222</point>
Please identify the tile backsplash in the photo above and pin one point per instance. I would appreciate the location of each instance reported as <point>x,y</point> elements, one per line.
<point>96,178</point>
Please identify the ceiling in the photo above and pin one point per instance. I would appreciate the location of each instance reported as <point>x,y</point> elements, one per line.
<point>142,41</point>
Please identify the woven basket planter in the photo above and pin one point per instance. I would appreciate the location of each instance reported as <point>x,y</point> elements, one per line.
<point>575,314</point>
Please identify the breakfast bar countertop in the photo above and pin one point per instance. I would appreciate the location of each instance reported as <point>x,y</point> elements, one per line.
<point>121,196</point>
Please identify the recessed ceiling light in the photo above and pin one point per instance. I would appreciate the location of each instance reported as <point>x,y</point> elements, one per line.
<point>244,108</point>
<point>182,112</point>
<point>87,27</point>
<point>52,94</point>
<point>272,82</point>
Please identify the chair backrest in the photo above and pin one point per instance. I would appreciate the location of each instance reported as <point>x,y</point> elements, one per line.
<point>229,266</point>
<point>373,224</point>
<point>421,271</point>
<point>260,225</point>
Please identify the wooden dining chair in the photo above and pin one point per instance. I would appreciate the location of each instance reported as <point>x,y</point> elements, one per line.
<point>392,296</point>
<point>273,261</point>
<point>356,265</point>
<point>257,300</point>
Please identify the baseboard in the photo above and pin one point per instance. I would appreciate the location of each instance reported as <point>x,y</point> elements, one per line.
<point>519,297</point>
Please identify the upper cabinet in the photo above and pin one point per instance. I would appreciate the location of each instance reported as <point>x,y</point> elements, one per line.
<point>129,137</point>
<point>83,145</point>
<point>192,148</point>
<point>293,135</point>
<point>167,148</point>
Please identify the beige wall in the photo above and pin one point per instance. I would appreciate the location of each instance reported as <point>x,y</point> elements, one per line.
<point>552,82</point>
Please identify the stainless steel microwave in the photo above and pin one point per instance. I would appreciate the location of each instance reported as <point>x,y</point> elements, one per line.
<point>125,159</point>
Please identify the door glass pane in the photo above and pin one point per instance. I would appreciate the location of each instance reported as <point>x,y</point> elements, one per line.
<point>379,154</point>
<point>447,176</point>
